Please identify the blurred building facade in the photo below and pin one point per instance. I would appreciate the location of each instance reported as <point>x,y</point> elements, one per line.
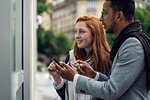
<point>142,3</point>
<point>65,13</point>
<point>46,21</point>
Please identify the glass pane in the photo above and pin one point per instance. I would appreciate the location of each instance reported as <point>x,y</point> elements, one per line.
<point>19,93</point>
<point>18,36</point>
<point>14,30</point>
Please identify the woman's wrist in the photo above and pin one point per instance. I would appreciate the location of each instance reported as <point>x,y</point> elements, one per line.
<point>57,79</point>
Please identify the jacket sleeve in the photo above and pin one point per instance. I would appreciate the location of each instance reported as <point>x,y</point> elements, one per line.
<point>125,71</point>
<point>61,92</point>
<point>102,77</point>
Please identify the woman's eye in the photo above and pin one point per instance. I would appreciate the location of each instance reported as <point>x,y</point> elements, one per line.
<point>81,31</point>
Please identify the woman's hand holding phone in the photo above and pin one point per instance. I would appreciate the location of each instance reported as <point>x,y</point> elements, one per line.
<point>52,69</point>
<point>54,59</point>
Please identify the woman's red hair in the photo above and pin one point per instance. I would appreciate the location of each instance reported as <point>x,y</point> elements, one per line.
<point>100,52</point>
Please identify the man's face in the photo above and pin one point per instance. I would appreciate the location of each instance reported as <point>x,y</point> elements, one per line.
<point>107,17</point>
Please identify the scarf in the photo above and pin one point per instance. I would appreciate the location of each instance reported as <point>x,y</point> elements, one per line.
<point>134,30</point>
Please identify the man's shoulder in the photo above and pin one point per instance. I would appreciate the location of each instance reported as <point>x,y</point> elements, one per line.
<point>131,47</point>
<point>131,42</point>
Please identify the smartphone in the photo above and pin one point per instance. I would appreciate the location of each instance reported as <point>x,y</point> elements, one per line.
<point>54,59</point>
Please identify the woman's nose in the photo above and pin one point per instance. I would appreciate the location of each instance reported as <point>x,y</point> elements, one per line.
<point>77,35</point>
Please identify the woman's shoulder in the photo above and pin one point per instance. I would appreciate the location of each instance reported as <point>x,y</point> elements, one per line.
<point>71,51</point>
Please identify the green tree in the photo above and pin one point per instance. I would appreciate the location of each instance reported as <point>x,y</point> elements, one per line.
<point>52,45</point>
<point>110,39</point>
<point>62,43</point>
<point>41,6</point>
<point>143,14</point>
<point>45,43</point>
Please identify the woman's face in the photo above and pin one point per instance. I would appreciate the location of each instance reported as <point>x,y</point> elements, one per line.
<point>83,36</point>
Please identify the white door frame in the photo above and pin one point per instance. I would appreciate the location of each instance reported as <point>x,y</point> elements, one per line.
<point>11,80</point>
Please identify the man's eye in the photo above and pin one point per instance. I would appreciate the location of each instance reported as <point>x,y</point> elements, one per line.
<point>104,13</point>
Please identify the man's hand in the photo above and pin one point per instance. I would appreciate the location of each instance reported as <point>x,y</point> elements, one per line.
<point>67,73</point>
<point>85,69</point>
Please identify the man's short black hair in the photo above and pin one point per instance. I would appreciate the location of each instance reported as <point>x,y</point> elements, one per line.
<point>126,6</point>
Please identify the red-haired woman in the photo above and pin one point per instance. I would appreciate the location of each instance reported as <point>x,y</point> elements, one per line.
<point>90,45</point>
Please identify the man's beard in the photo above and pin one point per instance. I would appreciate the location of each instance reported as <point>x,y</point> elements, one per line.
<point>111,29</point>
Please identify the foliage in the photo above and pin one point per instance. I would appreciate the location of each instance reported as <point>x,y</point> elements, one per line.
<point>62,43</point>
<point>52,45</point>
<point>45,43</point>
<point>110,39</point>
<point>143,14</point>
<point>41,6</point>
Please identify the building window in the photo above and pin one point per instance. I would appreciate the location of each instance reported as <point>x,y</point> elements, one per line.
<point>91,6</point>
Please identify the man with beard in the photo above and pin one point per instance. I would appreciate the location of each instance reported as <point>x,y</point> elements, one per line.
<point>129,78</point>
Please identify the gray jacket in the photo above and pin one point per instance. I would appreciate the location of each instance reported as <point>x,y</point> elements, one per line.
<point>128,76</point>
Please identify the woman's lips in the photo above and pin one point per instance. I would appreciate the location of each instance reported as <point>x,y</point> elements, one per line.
<point>79,41</point>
